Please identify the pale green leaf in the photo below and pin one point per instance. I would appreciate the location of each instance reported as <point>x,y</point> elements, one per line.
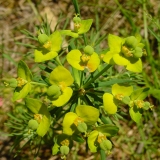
<point>61,76</point>
<point>85,26</point>
<point>120,60</point>
<point>69,33</point>
<point>93,62</point>
<point>92,141</point>
<point>109,104</point>
<point>115,42</point>
<point>108,129</point>
<point>68,123</point>
<point>56,41</point>
<point>33,104</point>
<point>135,115</point>
<point>108,56</point>
<point>41,55</point>
<point>23,71</point>
<point>135,66</point>
<point>140,94</point>
<point>89,114</point>
<point>21,92</point>
<point>55,149</point>
<point>120,89</point>
<point>43,126</point>
<point>63,98</point>
<point>74,59</point>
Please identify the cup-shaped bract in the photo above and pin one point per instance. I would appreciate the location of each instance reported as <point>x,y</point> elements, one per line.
<point>88,113</point>
<point>61,77</point>
<point>120,55</point>
<point>38,108</point>
<point>84,113</point>
<point>68,123</point>
<point>118,93</point>
<point>138,104</point>
<point>81,61</point>
<point>50,48</point>
<point>23,81</point>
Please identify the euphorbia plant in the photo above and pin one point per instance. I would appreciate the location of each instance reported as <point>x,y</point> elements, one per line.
<point>78,93</point>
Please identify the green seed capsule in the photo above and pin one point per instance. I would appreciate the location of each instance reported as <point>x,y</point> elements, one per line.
<point>57,95</point>
<point>106,145</point>
<point>13,82</point>
<point>42,38</point>
<point>126,100</point>
<point>64,150</point>
<point>33,124</point>
<point>77,20</point>
<point>138,52</point>
<point>88,50</point>
<point>146,105</point>
<point>82,127</point>
<point>53,90</point>
<point>131,42</point>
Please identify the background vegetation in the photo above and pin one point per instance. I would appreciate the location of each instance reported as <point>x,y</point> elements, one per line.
<point>119,17</point>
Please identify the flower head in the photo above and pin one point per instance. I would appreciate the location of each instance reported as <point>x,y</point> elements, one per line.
<point>84,113</point>
<point>50,45</point>
<point>41,115</point>
<point>22,82</point>
<point>119,93</point>
<point>126,52</point>
<point>61,79</point>
<point>84,60</point>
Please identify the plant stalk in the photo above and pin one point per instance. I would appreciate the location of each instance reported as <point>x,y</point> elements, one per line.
<point>97,76</point>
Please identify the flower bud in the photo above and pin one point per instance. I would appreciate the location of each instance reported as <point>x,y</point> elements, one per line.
<point>131,42</point>
<point>82,127</point>
<point>138,52</point>
<point>77,20</point>
<point>64,150</point>
<point>42,38</point>
<point>53,90</point>
<point>33,124</point>
<point>106,145</point>
<point>88,50</point>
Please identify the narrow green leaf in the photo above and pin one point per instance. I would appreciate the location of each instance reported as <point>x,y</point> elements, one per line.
<point>33,104</point>
<point>108,129</point>
<point>23,71</point>
<point>135,115</point>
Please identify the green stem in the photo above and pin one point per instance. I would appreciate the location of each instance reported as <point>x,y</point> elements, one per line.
<point>103,155</point>
<point>76,76</point>
<point>85,40</point>
<point>41,84</point>
<point>97,76</point>
<point>81,80</point>
<point>76,7</point>
<point>58,61</point>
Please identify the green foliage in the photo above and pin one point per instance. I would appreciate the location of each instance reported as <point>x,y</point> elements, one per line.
<point>83,94</point>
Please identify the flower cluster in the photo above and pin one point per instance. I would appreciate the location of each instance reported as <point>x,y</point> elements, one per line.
<point>76,91</point>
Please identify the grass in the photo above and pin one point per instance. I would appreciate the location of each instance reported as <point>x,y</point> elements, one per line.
<point>110,16</point>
